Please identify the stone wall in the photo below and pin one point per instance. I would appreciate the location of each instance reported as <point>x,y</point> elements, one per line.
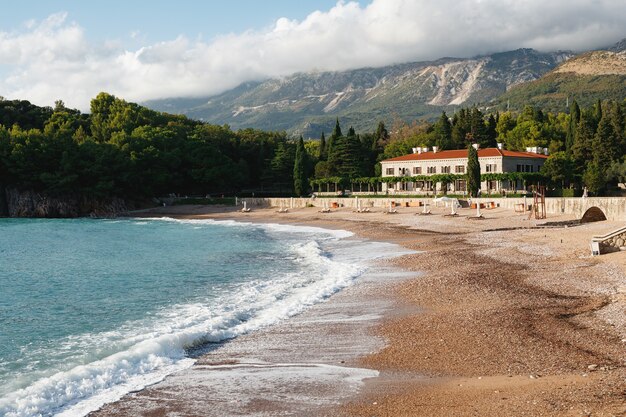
<point>614,208</point>
<point>614,243</point>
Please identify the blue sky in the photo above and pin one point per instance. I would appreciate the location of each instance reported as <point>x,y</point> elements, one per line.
<point>141,50</point>
<point>159,20</point>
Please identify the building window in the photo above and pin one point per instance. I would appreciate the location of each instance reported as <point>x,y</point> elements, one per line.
<point>389,171</point>
<point>460,185</point>
<point>490,168</point>
<point>431,170</point>
<point>445,170</point>
<point>417,170</point>
<point>526,168</point>
<point>459,169</point>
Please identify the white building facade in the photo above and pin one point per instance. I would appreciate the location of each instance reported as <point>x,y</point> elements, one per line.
<point>424,162</point>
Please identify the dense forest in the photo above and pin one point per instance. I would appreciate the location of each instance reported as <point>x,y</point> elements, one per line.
<point>124,150</point>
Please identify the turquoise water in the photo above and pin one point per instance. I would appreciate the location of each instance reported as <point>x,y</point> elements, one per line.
<point>91,309</point>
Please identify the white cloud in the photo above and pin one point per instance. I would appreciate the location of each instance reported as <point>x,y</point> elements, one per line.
<point>52,59</point>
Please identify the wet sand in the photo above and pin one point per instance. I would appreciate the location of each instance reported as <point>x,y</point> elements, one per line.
<point>495,317</point>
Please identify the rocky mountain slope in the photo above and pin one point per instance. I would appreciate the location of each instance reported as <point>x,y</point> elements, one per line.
<point>308,103</point>
<point>586,78</point>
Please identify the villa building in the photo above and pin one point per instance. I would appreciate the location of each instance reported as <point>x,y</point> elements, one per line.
<point>423,162</point>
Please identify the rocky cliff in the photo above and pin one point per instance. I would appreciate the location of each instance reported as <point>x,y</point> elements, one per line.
<point>29,203</point>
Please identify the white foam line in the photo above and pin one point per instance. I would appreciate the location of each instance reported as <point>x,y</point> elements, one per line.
<point>159,351</point>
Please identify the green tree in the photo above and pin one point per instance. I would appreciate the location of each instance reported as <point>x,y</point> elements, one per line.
<point>282,164</point>
<point>583,142</point>
<point>333,137</point>
<point>606,143</point>
<point>574,119</point>
<point>473,171</point>
<point>443,132</point>
<point>300,177</point>
<point>559,169</point>
<point>345,158</point>
<point>323,154</point>
<point>381,138</point>
<point>100,113</point>
<point>505,124</point>
<point>491,133</point>
<point>594,178</point>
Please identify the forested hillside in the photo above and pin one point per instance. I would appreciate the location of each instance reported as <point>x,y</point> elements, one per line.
<point>123,150</point>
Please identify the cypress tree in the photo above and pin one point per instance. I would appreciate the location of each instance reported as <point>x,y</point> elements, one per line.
<point>583,141</point>
<point>381,137</point>
<point>598,111</point>
<point>300,180</point>
<point>473,171</point>
<point>491,132</point>
<point>323,154</point>
<point>333,136</point>
<point>574,118</point>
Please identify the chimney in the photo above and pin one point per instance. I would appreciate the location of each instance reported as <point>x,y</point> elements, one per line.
<point>415,150</point>
<point>425,149</point>
<point>528,149</point>
<point>545,151</point>
<point>435,148</point>
<point>476,146</point>
<point>500,145</point>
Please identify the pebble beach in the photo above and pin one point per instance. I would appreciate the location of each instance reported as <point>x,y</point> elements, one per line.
<point>494,316</point>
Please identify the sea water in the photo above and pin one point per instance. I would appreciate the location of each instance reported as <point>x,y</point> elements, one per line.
<point>93,309</point>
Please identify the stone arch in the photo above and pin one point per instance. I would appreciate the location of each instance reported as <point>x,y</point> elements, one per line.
<point>593,214</point>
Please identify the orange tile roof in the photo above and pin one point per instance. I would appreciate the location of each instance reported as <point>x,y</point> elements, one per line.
<point>462,153</point>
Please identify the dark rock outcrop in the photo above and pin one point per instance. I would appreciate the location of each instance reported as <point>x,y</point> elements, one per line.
<point>28,203</point>
<point>4,208</point>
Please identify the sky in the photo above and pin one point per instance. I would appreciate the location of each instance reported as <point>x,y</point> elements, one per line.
<point>141,50</point>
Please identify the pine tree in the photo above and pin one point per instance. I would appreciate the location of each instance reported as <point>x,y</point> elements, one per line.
<point>300,180</point>
<point>478,128</point>
<point>606,143</point>
<point>491,132</point>
<point>345,158</point>
<point>443,130</point>
<point>473,171</point>
<point>323,154</point>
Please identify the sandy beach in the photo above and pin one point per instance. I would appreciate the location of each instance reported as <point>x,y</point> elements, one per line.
<point>496,316</point>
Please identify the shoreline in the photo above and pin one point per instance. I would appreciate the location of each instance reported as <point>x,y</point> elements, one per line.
<point>307,361</point>
<point>527,340</point>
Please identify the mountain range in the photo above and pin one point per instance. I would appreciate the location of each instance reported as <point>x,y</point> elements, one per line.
<point>309,103</point>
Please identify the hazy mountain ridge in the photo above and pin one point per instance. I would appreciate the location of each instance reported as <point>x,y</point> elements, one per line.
<point>308,103</point>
